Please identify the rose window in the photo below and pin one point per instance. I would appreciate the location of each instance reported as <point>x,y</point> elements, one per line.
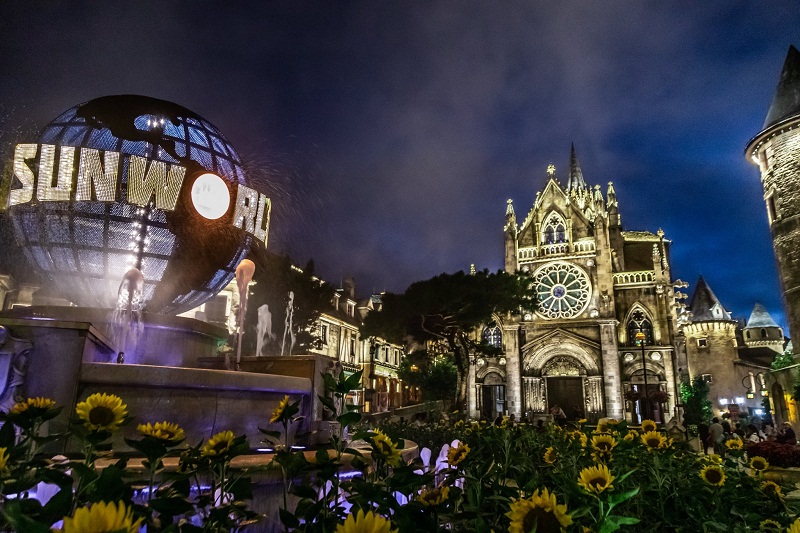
<point>563,290</point>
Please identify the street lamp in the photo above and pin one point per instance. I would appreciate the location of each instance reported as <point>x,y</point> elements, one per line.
<point>640,338</point>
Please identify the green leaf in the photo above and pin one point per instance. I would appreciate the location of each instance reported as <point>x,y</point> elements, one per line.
<point>241,489</point>
<point>7,435</point>
<point>171,506</point>
<point>288,519</point>
<point>353,382</point>
<point>348,419</point>
<point>59,505</point>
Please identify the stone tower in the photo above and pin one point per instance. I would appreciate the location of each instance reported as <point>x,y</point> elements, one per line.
<point>761,330</point>
<point>776,151</point>
<point>711,346</point>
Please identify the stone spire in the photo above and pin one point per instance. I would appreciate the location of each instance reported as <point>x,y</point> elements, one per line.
<point>786,102</point>
<point>511,218</point>
<point>760,318</point>
<point>705,305</point>
<point>611,196</point>
<point>575,180</point>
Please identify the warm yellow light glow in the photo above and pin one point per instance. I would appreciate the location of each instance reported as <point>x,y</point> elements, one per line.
<point>210,196</point>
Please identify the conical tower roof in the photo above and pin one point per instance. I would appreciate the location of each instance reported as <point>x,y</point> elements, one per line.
<point>703,302</point>
<point>786,102</point>
<point>575,173</point>
<point>760,318</point>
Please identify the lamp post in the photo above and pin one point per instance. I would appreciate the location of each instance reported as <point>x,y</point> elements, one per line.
<point>640,338</point>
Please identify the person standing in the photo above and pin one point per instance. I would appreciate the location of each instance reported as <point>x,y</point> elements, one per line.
<point>715,435</point>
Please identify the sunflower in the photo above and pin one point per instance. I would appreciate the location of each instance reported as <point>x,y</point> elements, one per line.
<point>601,428</point>
<point>772,489</point>
<point>102,517</point>
<point>713,475</point>
<point>654,439</point>
<point>596,479</point>
<point>540,511</point>
<point>795,527</point>
<point>163,431</point>
<point>102,412</point>
<point>713,459</point>
<point>582,421</point>
<point>631,435</point>
<point>3,458</point>
<point>433,497</point>
<point>456,455</point>
<point>759,464</point>
<point>733,444</point>
<point>550,455</point>
<point>278,412</point>
<point>648,425</point>
<point>603,444</point>
<point>769,525</point>
<point>384,448</point>
<point>365,522</point>
<point>32,404</point>
<point>218,445</point>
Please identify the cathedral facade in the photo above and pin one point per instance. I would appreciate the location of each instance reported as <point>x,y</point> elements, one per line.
<point>602,341</point>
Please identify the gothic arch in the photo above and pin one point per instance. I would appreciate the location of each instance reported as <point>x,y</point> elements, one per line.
<point>637,307</point>
<point>536,358</point>
<point>553,229</point>
<point>635,367</point>
<point>487,369</point>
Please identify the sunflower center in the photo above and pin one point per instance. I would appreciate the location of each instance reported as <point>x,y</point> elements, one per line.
<point>220,446</point>
<point>101,416</point>
<point>653,443</point>
<point>543,520</point>
<point>598,482</point>
<point>713,476</point>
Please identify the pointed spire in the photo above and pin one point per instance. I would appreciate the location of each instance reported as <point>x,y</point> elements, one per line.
<point>575,173</point>
<point>760,318</point>
<point>472,269</point>
<point>511,218</point>
<point>786,102</point>
<point>611,195</point>
<point>704,301</point>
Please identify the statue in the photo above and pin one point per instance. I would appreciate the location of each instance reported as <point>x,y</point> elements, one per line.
<point>127,321</point>
<point>264,329</point>
<point>288,328</point>
<point>244,273</point>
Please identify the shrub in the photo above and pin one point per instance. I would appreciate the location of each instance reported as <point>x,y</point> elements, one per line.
<point>782,455</point>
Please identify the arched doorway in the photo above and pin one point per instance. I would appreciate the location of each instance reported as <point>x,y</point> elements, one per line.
<point>492,397</point>
<point>636,397</point>
<point>564,383</point>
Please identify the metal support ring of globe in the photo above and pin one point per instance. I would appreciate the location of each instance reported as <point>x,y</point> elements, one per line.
<point>132,182</point>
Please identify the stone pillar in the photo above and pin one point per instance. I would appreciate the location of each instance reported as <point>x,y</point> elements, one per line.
<point>669,371</point>
<point>472,399</point>
<point>513,373</point>
<point>611,369</point>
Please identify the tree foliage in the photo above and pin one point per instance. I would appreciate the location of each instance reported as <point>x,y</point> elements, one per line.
<point>696,405</point>
<point>782,360</point>
<point>447,309</point>
<point>436,376</point>
<point>275,277</point>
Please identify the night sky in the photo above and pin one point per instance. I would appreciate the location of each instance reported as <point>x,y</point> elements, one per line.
<point>390,134</point>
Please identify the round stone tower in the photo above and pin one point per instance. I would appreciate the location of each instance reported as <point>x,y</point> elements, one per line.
<point>776,151</point>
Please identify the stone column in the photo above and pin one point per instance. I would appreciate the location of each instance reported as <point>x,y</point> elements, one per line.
<point>669,370</point>
<point>611,369</point>
<point>513,374</point>
<point>472,400</point>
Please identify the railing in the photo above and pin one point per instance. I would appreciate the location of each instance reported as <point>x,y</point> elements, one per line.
<point>630,278</point>
<point>561,248</point>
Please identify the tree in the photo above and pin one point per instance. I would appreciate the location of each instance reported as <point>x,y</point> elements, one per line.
<point>275,277</point>
<point>782,360</point>
<point>436,376</point>
<point>447,309</point>
<point>696,405</point>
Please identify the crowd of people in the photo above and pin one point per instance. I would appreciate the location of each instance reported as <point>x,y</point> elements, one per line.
<point>715,435</point>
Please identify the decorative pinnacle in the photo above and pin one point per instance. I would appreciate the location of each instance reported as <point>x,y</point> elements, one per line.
<point>509,207</point>
<point>472,269</point>
<point>551,170</point>
<point>660,233</point>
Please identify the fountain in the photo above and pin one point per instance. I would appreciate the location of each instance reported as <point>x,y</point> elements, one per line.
<point>136,209</point>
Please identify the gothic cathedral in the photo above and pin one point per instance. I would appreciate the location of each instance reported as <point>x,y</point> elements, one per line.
<point>602,342</point>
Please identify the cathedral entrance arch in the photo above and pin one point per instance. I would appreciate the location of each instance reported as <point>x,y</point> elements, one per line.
<point>564,378</point>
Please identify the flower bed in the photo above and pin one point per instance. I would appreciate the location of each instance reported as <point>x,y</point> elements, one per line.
<point>782,455</point>
<point>491,478</point>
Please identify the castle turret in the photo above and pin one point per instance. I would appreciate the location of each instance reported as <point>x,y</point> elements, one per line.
<point>711,345</point>
<point>762,330</point>
<point>776,151</point>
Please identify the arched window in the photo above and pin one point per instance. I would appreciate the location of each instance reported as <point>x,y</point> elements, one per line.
<point>493,337</point>
<point>763,333</point>
<point>748,334</point>
<point>554,229</point>
<point>639,322</point>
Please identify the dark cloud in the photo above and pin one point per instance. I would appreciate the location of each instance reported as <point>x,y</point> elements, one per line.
<point>390,134</point>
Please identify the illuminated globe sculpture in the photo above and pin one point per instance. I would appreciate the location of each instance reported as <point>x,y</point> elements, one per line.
<point>124,182</point>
